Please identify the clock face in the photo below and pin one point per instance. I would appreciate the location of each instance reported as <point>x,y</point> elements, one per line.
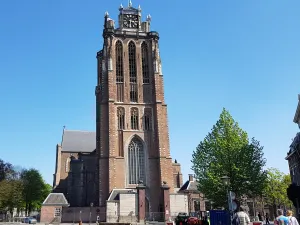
<point>130,21</point>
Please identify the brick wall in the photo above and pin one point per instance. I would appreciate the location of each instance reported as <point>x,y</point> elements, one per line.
<point>47,214</point>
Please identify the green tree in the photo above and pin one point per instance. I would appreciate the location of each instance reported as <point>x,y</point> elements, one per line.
<point>275,189</point>
<point>11,195</point>
<point>6,170</point>
<point>47,188</point>
<point>226,150</point>
<point>34,189</point>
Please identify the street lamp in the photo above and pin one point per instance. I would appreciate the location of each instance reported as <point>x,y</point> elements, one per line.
<point>226,182</point>
<point>91,205</point>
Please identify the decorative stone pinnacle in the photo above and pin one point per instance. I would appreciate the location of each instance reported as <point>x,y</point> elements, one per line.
<point>121,6</point>
<point>149,18</point>
<point>139,8</point>
<point>130,3</point>
<point>106,14</point>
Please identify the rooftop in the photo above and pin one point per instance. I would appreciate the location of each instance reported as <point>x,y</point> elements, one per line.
<point>78,141</point>
<point>56,199</point>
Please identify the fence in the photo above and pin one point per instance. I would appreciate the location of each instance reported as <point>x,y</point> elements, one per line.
<point>90,216</point>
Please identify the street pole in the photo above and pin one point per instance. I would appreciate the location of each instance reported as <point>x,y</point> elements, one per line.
<point>91,205</point>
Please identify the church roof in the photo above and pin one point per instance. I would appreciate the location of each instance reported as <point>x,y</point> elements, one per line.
<point>78,141</point>
<point>55,199</point>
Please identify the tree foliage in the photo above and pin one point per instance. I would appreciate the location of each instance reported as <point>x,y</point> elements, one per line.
<point>226,150</point>
<point>275,191</point>
<point>21,189</point>
<point>6,170</point>
<point>34,190</point>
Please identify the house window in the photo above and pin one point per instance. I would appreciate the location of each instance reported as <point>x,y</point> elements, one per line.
<point>119,71</point>
<point>121,118</point>
<point>57,212</point>
<point>134,119</point>
<point>132,72</point>
<point>136,161</point>
<point>196,205</point>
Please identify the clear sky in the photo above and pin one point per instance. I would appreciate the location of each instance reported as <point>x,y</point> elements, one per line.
<point>241,55</point>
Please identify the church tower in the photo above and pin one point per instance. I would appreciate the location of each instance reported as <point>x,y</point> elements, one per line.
<point>132,134</point>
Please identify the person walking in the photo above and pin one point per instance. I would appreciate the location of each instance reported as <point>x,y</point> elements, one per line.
<point>259,216</point>
<point>243,217</point>
<point>267,218</point>
<point>281,219</point>
<point>292,219</point>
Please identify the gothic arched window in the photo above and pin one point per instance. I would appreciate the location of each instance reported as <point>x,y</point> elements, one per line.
<point>121,118</point>
<point>147,119</point>
<point>145,66</point>
<point>136,161</point>
<point>134,119</point>
<point>132,72</point>
<point>119,71</point>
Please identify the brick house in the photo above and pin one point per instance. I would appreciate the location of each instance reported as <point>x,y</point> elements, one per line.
<point>196,200</point>
<point>51,210</point>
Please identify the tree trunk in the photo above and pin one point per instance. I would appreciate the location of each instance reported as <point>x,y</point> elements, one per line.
<point>274,210</point>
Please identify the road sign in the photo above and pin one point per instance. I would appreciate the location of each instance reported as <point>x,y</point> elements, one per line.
<point>232,202</point>
<point>232,195</point>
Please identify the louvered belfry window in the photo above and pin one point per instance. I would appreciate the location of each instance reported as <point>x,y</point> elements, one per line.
<point>119,71</point>
<point>132,72</point>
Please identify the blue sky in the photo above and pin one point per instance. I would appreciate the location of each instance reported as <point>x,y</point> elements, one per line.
<point>241,55</point>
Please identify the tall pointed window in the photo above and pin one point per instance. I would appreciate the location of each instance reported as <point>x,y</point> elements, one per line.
<point>136,161</point>
<point>147,119</point>
<point>132,72</point>
<point>119,71</point>
<point>145,65</point>
<point>121,118</point>
<point>147,92</point>
<point>134,119</point>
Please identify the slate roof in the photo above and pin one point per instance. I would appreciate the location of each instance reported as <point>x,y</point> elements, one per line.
<point>55,199</point>
<point>78,141</point>
<point>189,186</point>
<point>115,194</point>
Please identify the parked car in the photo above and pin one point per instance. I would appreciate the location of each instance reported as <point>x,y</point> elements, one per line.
<point>193,220</point>
<point>30,220</point>
<point>181,218</point>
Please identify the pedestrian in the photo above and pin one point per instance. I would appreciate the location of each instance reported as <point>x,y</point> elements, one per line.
<point>292,219</point>
<point>235,219</point>
<point>243,217</point>
<point>98,219</point>
<point>259,217</point>
<point>281,219</point>
<point>267,218</point>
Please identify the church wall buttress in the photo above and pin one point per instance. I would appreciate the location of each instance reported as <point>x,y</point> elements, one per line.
<point>161,120</point>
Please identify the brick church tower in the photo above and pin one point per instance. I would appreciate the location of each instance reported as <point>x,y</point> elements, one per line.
<point>132,137</point>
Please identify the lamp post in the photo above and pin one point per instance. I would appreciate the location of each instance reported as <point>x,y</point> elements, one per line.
<point>91,205</point>
<point>226,182</point>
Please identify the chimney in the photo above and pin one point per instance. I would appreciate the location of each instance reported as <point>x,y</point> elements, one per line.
<point>191,177</point>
